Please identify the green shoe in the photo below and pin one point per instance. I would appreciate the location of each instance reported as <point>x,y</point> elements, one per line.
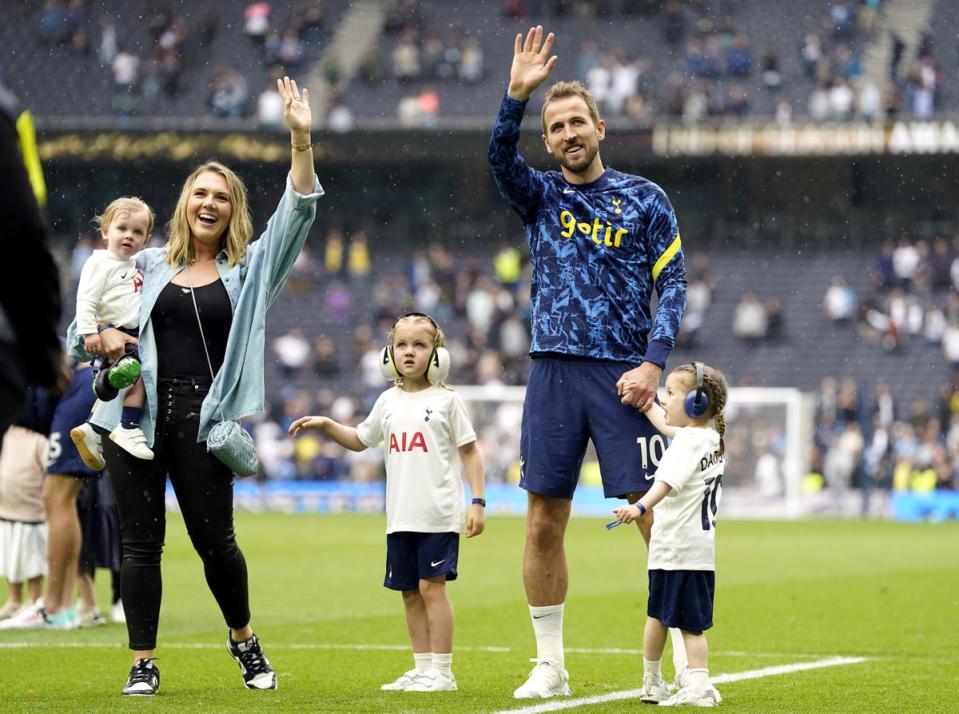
<point>125,372</point>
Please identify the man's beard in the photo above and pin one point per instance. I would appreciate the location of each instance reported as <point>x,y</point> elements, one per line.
<point>578,166</point>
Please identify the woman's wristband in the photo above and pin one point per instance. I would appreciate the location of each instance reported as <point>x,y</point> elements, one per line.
<point>301,146</point>
<point>479,502</point>
<point>107,326</point>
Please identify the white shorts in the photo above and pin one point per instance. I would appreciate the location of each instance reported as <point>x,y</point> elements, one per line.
<point>23,550</point>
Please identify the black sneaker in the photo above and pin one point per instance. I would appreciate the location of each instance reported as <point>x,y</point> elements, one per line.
<point>105,391</point>
<point>144,679</point>
<point>255,667</point>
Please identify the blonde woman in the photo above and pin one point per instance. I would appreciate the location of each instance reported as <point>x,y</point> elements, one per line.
<point>208,258</point>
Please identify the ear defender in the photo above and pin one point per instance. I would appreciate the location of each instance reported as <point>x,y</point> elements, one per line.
<point>696,402</point>
<point>388,365</point>
<point>439,367</point>
<point>437,371</point>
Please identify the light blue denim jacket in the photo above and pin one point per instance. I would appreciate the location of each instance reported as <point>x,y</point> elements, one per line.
<point>252,284</point>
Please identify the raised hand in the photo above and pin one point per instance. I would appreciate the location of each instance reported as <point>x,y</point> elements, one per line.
<point>531,63</point>
<point>296,110</point>
<point>307,422</point>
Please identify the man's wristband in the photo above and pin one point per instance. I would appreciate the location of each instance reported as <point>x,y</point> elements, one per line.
<point>107,326</point>
<point>641,507</point>
<point>479,502</point>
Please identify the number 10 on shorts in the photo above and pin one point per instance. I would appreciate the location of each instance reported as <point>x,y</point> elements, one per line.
<point>651,449</point>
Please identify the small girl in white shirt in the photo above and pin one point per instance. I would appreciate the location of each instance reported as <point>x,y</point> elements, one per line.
<point>682,547</point>
<point>422,424</point>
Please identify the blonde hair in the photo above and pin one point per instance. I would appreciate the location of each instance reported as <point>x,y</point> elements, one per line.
<point>562,90</point>
<point>124,204</point>
<point>179,247</point>
<point>717,391</point>
<point>439,337</point>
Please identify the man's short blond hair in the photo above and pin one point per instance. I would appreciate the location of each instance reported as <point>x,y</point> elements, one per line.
<point>561,90</point>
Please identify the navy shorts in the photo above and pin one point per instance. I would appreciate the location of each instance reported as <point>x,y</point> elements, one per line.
<point>72,410</point>
<point>682,598</point>
<point>570,401</point>
<point>411,556</point>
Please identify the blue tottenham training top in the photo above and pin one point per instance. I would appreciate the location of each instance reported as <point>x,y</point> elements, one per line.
<point>598,250</point>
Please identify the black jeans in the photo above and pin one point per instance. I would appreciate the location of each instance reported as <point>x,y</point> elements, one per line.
<point>204,491</point>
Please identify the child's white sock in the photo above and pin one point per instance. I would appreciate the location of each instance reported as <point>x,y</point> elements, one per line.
<point>422,661</point>
<point>548,628</point>
<point>651,669</point>
<point>443,662</point>
<point>697,681</point>
<point>679,650</point>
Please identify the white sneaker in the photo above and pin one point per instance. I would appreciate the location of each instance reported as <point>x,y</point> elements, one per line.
<point>686,698</point>
<point>716,696</point>
<point>545,680</point>
<point>117,613</point>
<point>87,441</point>
<point>33,617</point>
<point>403,681</point>
<point>653,690</point>
<point>433,680</point>
<point>679,681</point>
<point>29,617</point>
<point>91,617</point>
<point>10,608</point>
<point>133,441</point>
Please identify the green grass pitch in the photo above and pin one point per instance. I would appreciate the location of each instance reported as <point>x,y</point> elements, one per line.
<point>786,593</point>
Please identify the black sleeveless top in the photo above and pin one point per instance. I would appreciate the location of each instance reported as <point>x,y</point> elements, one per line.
<point>177,334</point>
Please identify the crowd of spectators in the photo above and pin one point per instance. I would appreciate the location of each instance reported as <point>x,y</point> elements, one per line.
<point>878,443</point>
<point>862,439</point>
<point>149,59</point>
<point>912,302</point>
<point>912,297</point>
<point>713,66</point>
<point>709,60</point>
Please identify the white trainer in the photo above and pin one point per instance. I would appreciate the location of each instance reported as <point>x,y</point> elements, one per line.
<point>91,617</point>
<point>545,680</point>
<point>29,617</point>
<point>679,682</point>
<point>402,682</point>
<point>117,613</point>
<point>686,698</point>
<point>88,445</point>
<point>10,608</point>
<point>716,695</point>
<point>653,690</point>
<point>133,441</point>
<point>432,680</point>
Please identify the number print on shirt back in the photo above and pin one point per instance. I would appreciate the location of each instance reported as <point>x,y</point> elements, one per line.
<point>710,506</point>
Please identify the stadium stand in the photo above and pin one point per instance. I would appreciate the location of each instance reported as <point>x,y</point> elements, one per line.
<point>174,44</point>
<point>785,257</point>
<point>672,59</point>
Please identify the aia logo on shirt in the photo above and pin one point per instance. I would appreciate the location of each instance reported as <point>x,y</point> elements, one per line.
<point>137,280</point>
<point>408,442</point>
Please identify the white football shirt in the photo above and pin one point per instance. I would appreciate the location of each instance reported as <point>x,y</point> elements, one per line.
<point>684,525</point>
<point>108,292</point>
<point>421,432</point>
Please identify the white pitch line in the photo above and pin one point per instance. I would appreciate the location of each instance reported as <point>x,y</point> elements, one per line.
<point>361,646</point>
<point>212,646</point>
<point>558,704</point>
